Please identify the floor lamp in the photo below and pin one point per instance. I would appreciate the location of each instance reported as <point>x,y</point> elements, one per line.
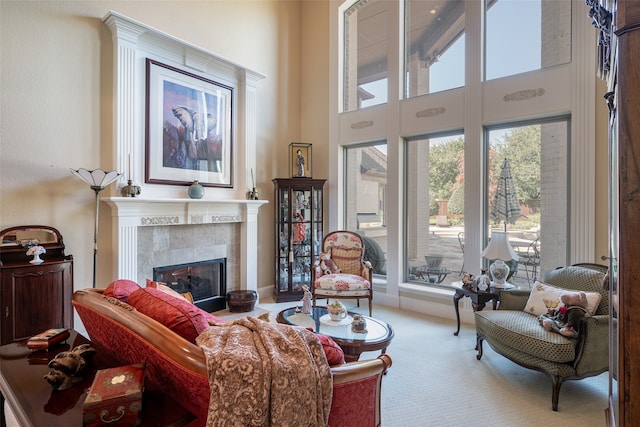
<point>98,180</point>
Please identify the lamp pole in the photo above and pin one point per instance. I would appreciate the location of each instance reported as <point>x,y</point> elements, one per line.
<point>97,189</point>
<point>98,180</point>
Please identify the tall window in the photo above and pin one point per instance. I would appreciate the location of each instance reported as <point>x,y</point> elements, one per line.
<point>536,171</point>
<point>434,182</point>
<point>526,35</point>
<point>434,39</point>
<point>365,195</point>
<point>458,116</point>
<point>365,54</point>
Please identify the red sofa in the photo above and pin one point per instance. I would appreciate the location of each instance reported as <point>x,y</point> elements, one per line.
<point>178,367</point>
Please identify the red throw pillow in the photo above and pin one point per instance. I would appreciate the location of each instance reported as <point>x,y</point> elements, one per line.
<point>335,355</point>
<point>121,289</point>
<point>177,314</point>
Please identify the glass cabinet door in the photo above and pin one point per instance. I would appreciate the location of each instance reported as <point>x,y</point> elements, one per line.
<point>298,235</point>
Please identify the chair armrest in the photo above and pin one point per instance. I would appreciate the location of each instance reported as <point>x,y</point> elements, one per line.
<point>514,300</point>
<point>592,349</point>
<point>367,271</point>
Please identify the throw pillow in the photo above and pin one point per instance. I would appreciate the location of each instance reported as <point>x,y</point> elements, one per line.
<point>177,314</point>
<point>544,296</point>
<point>333,352</point>
<point>121,289</point>
<point>161,286</point>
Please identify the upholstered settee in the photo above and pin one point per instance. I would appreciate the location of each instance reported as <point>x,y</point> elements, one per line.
<point>514,330</point>
<point>178,366</point>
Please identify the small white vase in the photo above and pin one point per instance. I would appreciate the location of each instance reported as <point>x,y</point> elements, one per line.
<point>36,259</point>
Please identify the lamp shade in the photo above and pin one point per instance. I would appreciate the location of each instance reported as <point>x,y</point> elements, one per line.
<point>499,247</point>
<point>97,179</point>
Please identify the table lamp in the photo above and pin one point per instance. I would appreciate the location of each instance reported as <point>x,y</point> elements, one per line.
<point>499,250</point>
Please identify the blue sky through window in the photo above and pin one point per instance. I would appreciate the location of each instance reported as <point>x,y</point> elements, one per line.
<point>513,46</point>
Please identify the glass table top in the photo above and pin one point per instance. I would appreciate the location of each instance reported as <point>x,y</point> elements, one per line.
<point>320,322</point>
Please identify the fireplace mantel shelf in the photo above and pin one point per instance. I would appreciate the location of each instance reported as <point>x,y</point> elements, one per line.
<point>131,201</point>
<point>172,211</point>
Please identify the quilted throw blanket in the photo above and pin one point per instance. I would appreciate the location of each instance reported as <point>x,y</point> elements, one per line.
<point>264,374</point>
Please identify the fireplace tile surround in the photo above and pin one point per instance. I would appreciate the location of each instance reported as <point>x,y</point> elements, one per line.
<point>149,233</point>
<point>165,245</point>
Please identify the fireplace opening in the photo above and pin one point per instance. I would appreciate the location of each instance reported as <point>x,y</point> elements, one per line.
<point>206,280</point>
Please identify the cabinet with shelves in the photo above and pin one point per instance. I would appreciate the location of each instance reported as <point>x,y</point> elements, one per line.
<point>33,296</point>
<point>298,234</point>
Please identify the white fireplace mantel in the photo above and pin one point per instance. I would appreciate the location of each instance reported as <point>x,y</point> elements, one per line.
<point>164,204</point>
<point>130,213</point>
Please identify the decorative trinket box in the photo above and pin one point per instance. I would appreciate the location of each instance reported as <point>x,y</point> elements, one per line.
<point>47,339</point>
<point>115,397</point>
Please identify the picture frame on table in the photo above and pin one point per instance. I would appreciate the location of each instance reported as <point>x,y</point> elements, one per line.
<point>300,160</point>
<point>189,128</point>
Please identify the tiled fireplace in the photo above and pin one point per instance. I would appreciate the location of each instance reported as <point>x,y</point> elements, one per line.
<point>149,233</point>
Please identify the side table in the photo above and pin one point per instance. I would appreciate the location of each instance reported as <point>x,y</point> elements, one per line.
<point>35,403</point>
<point>479,299</point>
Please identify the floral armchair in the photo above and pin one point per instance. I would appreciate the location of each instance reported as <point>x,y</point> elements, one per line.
<point>350,276</point>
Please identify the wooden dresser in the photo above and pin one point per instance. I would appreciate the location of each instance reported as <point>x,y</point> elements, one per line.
<point>33,297</point>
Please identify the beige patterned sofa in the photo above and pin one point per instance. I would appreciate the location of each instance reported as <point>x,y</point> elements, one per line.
<point>517,335</point>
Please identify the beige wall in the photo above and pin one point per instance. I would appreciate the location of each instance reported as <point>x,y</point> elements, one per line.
<point>56,84</point>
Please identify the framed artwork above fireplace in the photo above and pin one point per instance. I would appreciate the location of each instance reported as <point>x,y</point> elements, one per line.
<point>188,128</point>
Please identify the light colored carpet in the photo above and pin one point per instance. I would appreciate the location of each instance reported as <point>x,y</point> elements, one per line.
<point>436,381</point>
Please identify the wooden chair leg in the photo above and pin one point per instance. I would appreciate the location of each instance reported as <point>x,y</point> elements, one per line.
<point>556,382</point>
<point>370,307</point>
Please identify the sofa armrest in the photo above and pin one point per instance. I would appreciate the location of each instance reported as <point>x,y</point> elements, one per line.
<point>361,369</point>
<point>514,299</point>
<point>356,392</point>
<point>592,349</point>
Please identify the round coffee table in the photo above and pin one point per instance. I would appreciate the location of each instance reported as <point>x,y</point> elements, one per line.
<point>377,337</point>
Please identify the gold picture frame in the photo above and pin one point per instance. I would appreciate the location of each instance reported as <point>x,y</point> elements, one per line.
<point>300,163</point>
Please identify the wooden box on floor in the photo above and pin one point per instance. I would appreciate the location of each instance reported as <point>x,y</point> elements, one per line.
<point>115,397</point>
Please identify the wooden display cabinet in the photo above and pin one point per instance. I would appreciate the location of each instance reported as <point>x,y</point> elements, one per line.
<point>618,22</point>
<point>298,234</point>
<point>33,297</point>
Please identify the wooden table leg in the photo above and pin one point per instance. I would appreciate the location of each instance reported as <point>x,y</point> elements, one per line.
<point>456,300</point>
